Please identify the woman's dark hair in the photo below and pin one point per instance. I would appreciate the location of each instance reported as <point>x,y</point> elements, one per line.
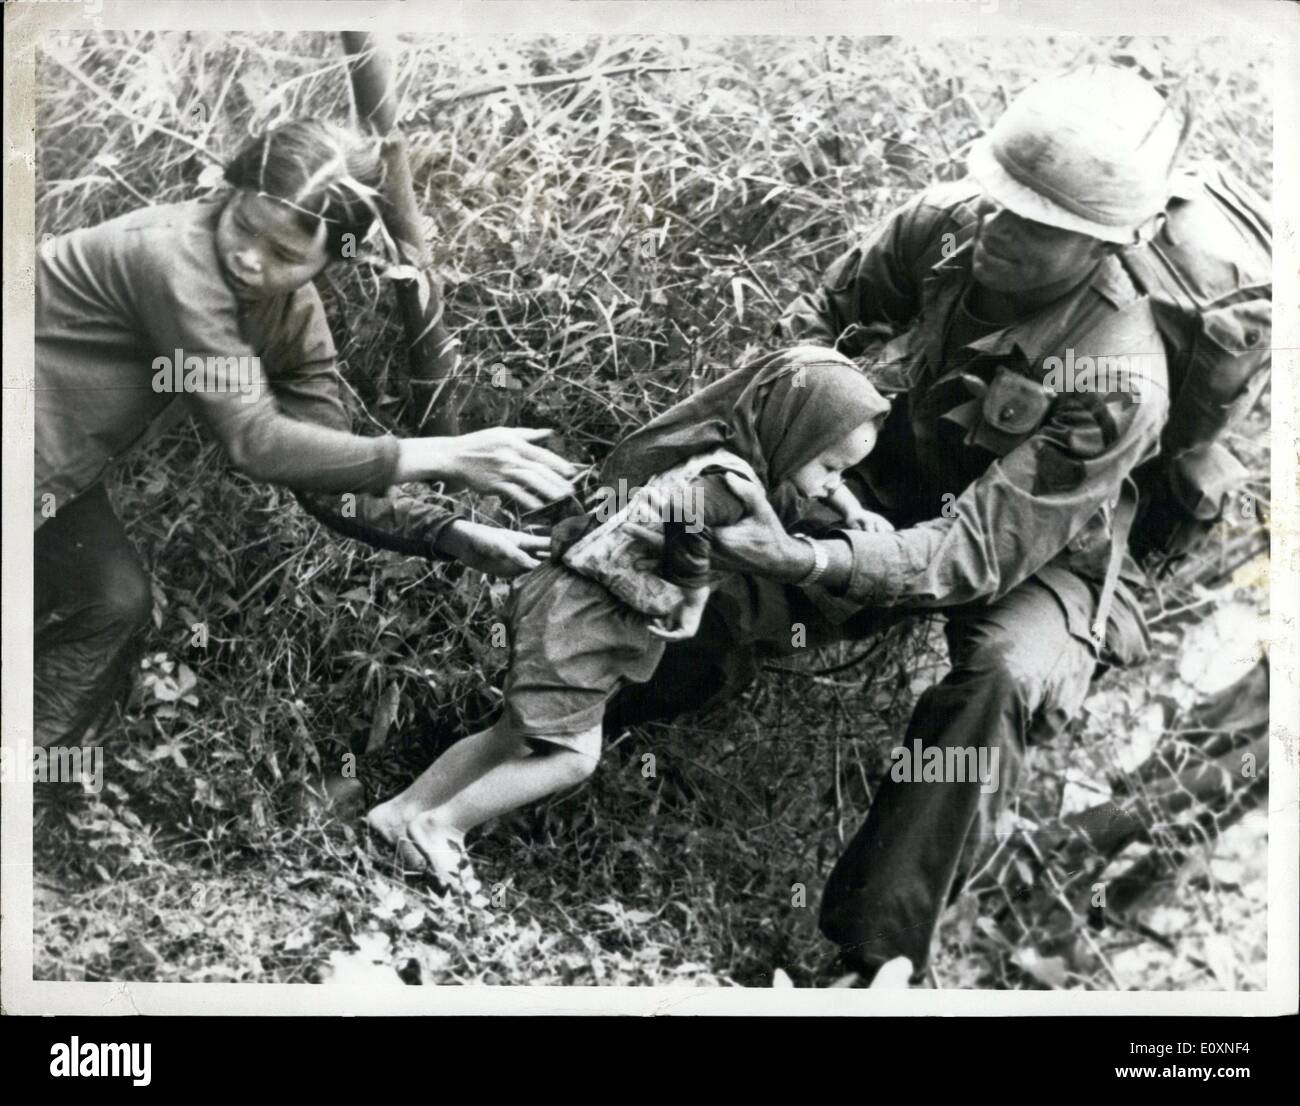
<point>323,171</point>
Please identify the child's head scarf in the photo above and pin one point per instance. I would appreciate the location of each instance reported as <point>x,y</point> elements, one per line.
<point>778,413</point>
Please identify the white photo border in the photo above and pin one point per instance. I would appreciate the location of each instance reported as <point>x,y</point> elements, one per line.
<point>1274,27</point>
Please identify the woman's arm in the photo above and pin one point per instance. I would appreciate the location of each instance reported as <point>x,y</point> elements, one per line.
<point>197,314</point>
<point>309,388</point>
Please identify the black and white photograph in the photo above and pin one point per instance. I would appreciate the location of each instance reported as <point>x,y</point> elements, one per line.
<point>709,502</point>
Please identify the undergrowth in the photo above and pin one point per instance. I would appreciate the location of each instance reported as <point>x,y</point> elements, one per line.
<point>611,245</point>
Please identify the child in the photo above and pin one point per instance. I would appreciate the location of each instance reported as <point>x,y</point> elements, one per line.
<point>209,301</point>
<point>624,584</point>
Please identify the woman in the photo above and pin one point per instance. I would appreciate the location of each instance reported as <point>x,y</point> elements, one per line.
<point>211,303</point>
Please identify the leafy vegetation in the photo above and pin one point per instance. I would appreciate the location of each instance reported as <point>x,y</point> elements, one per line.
<point>604,247</point>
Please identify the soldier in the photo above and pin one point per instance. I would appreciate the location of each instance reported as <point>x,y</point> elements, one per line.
<point>1007,476</point>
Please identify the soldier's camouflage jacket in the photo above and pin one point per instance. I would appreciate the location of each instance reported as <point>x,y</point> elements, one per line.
<point>993,478</point>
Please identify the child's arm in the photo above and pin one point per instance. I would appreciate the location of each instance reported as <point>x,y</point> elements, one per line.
<point>706,502</point>
<point>856,516</point>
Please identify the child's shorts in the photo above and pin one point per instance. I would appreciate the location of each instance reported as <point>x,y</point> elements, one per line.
<point>572,646</point>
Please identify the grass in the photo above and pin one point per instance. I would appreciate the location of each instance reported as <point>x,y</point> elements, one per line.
<point>612,245</point>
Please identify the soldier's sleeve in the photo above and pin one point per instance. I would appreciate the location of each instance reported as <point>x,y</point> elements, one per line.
<point>869,291</point>
<point>308,387</point>
<point>1030,504</point>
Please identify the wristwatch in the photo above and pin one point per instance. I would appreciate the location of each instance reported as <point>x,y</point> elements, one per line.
<point>820,562</point>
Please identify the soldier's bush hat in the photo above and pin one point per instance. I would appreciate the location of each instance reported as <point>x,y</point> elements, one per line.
<point>1090,151</point>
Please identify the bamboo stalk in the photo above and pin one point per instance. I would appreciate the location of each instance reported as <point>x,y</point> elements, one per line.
<point>432,354</point>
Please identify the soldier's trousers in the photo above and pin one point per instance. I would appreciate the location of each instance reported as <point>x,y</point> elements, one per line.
<point>1018,675</point>
<point>92,603</point>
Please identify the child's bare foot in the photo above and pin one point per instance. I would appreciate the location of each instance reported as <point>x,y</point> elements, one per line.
<point>389,823</point>
<point>443,850</point>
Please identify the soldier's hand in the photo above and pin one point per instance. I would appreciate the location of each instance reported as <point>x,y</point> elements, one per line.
<point>758,543</point>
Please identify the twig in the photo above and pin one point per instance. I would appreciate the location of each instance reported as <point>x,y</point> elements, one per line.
<point>78,76</point>
<point>220,101</point>
<point>265,578</point>
<point>1080,923</point>
<point>553,80</point>
<point>1174,611</point>
<point>125,184</point>
<point>835,110</point>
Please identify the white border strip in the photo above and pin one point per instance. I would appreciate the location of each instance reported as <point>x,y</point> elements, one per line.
<point>1273,26</point>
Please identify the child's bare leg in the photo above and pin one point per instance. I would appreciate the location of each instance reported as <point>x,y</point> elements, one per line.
<point>524,777</point>
<point>465,761</point>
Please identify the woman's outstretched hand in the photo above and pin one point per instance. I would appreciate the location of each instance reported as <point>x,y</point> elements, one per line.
<point>498,461</point>
<point>492,549</point>
<point>758,543</point>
